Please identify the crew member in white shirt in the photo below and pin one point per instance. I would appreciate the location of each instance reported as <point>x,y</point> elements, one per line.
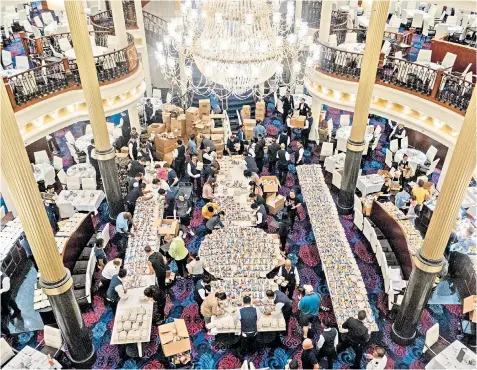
<point>299,154</point>
<point>378,360</point>
<point>110,269</point>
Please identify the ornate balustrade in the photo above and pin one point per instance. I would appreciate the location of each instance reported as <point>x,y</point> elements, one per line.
<point>436,85</point>
<point>56,77</point>
<point>104,20</point>
<point>154,27</point>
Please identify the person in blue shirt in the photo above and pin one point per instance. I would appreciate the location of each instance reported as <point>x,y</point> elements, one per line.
<point>122,232</point>
<point>402,199</point>
<point>99,252</point>
<point>259,130</point>
<point>172,178</point>
<point>309,306</point>
<point>26,246</point>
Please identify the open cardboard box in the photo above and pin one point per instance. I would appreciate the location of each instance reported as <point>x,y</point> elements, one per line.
<point>157,128</point>
<point>174,338</point>
<point>270,188</point>
<point>298,122</point>
<point>173,229</point>
<point>275,203</point>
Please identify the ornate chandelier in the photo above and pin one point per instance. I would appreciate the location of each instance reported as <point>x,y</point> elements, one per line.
<point>237,45</point>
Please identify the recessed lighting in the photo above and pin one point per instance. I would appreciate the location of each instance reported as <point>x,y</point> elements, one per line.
<point>406,110</point>
<point>352,97</point>
<point>423,117</point>
<point>110,101</point>
<point>337,94</point>
<point>71,108</point>
<point>389,104</point>
<point>123,96</point>
<point>438,123</point>
<point>324,90</point>
<point>375,99</point>
<point>38,122</point>
<point>23,130</point>
<point>455,133</point>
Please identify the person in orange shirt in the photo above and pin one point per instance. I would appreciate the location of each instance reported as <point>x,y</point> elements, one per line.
<point>209,210</point>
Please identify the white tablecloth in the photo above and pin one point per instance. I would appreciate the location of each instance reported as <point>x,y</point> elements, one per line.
<point>83,141</point>
<point>414,156</point>
<point>352,47</point>
<point>345,132</point>
<point>42,171</point>
<point>11,72</point>
<point>52,28</point>
<point>369,184</point>
<point>97,51</point>
<point>30,358</point>
<point>363,21</point>
<point>82,170</point>
<point>447,359</point>
<point>335,162</point>
<point>82,200</point>
<point>453,29</point>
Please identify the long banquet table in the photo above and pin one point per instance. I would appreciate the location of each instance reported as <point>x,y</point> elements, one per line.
<point>346,286</point>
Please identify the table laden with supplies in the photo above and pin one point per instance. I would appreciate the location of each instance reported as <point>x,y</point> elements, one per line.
<point>347,290</point>
<point>456,356</point>
<point>370,184</point>
<point>82,200</point>
<point>44,172</point>
<point>30,358</point>
<point>82,170</point>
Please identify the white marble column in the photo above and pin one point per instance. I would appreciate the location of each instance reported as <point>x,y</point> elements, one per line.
<point>325,20</point>
<point>144,50</point>
<point>119,23</point>
<point>134,116</point>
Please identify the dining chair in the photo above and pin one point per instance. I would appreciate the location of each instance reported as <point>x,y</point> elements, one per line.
<point>341,144</point>
<point>432,11</point>
<point>389,158</point>
<point>57,162</point>
<point>424,55</point>
<point>336,180</point>
<point>358,219</point>
<point>431,153</point>
<point>22,62</point>
<point>70,138</point>
<point>394,21</point>
<point>451,20</point>
<point>449,60</point>
<point>66,210</point>
<point>41,157</point>
<point>375,142</point>
<point>326,149</point>
<point>394,146</point>
<point>351,37</point>
<point>36,32</point>
<point>27,26</point>
<point>441,31</point>
<point>417,20</point>
<point>405,142</point>
<point>22,15</point>
<point>47,18</point>
<point>367,229</point>
<point>330,129</point>
<point>62,177</point>
<point>465,21</point>
<point>365,148</point>
<point>443,15</point>
<point>357,203</point>
<point>344,120</point>
<point>432,167</point>
<point>88,184</point>
<point>62,28</point>
<point>392,29</point>
<point>73,183</point>
<point>64,44</point>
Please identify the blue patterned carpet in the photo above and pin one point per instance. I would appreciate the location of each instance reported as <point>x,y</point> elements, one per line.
<point>209,352</point>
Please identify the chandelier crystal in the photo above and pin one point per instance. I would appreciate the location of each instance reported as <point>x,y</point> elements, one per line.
<point>237,45</point>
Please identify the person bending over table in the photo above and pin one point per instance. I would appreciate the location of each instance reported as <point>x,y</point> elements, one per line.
<point>157,266</point>
<point>233,145</point>
<point>210,209</point>
<point>159,297</point>
<point>385,192</point>
<point>172,178</point>
<point>211,306</point>
<point>110,269</point>
<point>117,290</point>
<point>98,251</point>
<point>202,289</point>
<point>122,232</point>
<point>214,222</point>
<point>261,216</point>
<point>290,274</point>
<point>248,317</point>
<point>282,303</point>
<point>136,193</point>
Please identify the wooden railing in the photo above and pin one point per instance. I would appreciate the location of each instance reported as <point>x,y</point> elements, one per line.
<point>435,85</point>
<point>34,85</point>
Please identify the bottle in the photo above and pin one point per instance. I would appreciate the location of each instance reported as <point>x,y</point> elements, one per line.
<point>50,360</point>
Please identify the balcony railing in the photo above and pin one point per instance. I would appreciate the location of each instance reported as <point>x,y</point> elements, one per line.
<point>436,85</point>
<point>154,27</point>
<point>53,78</point>
<point>104,20</point>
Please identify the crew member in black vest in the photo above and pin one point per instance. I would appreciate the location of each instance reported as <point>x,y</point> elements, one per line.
<point>248,317</point>
<point>117,290</point>
<point>149,110</point>
<point>145,152</point>
<point>299,154</point>
<point>303,108</point>
<point>125,125</point>
<point>283,138</point>
<point>7,301</point>
<point>292,279</point>
<point>193,174</point>
<point>133,148</point>
<point>157,266</point>
<point>283,159</point>
<point>202,289</point>
<point>328,343</point>
<point>179,159</point>
<point>357,337</point>
<point>92,159</point>
<point>249,162</point>
<point>305,133</point>
<point>272,151</point>
<point>282,303</point>
<point>288,105</point>
<point>137,167</point>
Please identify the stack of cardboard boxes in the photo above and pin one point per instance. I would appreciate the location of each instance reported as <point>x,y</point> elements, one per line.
<point>297,121</point>
<point>192,118</point>
<point>246,112</point>
<point>165,145</point>
<point>260,110</point>
<point>204,107</point>
<point>248,126</point>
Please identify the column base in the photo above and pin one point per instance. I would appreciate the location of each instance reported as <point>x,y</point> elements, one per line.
<point>75,333</point>
<point>402,341</point>
<point>109,175</point>
<point>345,204</point>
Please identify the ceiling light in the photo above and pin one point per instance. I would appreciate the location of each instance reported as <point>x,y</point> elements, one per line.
<point>438,123</point>
<point>455,133</point>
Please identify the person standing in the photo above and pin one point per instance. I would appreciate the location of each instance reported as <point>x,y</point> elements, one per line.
<point>282,303</point>
<point>288,105</point>
<point>260,153</point>
<point>193,174</point>
<point>195,267</point>
<point>52,211</point>
<point>323,130</point>
<point>125,126</point>
<point>261,216</point>
<point>6,298</point>
<point>283,138</point>
<point>172,178</point>
<point>377,360</point>
<point>357,337</point>
<point>117,290</point>
<point>241,138</point>
<point>26,247</point>
<point>402,199</point>
<point>305,133</point>
<point>420,193</point>
<point>133,145</point>
<point>132,197</point>
<point>182,210</point>
<point>179,159</point>
<point>299,154</point>
<point>149,110</point>
<point>192,145</point>
<point>208,190</point>
<point>272,151</point>
<point>309,307</point>
<point>112,268</point>
<point>303,108</point>
<point>159,298</point>
<point>328,343</point>
<point>309,359</point>
<point>92,159</point>
<point>292,203</point>
<point>157,266</point>
<point>284,231</point>
<point>180,254</point>
<point>98,251</point>
<point>290,274</point>
<point>283,158</point>
<point>202,289</point>
<point>122,232</point>
<point>248,317</point>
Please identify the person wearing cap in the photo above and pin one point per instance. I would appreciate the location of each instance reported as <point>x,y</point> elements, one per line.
<point>309,306</point>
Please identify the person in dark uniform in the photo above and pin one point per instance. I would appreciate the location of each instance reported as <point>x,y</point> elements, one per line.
<point>7,300</point>
<point>99,253</point>
<point>193,174</point>
<point>117,290</point>
<point>272,151</point>
<point>283,138</point>
<point>149,110</point>
<point>303,108</point>
<point>133,196</point>
<point>241,137</point>
<point>137,167</point>
<point>250,162</point>
<point>282,303</point>
<point>328,343</point>
<point>260,153</point>
<point>248,317</point>
<point>125,125</point>
<point>288,105</point>
<point>52,211</point>
<point>299,154</point>
<point>157,266</point>
<point>133,148</point>
<point>290,274</point>
<point>92,159</point>
<point>305,133</point>
<point>284,231</point>
<point>283,159</point>
<point>292,203</point>
<point>180,159</point>
<point>233,145</point>
<point>159,297</point>
<point>357,337</point>
<point>309,359</point>
<point>202,289</point>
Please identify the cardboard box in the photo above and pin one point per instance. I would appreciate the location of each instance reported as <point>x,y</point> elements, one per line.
<point>260,110</point>
<point>245,115</point>
<point>248,133</point>
<point>122,155</point>
<point>156,128</point>
<point>246,108</point>
<point>249,122</point>
<point>275,203</point>
<point>174,338</point>
<point>162,142</point>
<point>216,137</point>
<point>217,116</point>
<point>272,187</point>
<point>217,130</point>
<point>204,107</point>
<point>167,227</point>
<point>298,122</point>
<point>192,114</point>
<point>125,150</point>
<point>168,158</point>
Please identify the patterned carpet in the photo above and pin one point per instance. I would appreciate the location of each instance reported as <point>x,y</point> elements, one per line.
<point>209,352</point>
